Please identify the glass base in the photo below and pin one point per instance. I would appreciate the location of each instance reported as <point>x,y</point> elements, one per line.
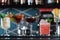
<point>32,35</point>
<point>5,35</point>
<point>19,35</point>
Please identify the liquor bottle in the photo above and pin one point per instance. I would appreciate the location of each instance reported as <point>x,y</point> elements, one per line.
<point>7,2</point>
<point>26,2</point>
<point>33,2</point>
<point>15,2</point>
<point>3,2</point>
<point>12,2</point>
<point>57,1</point>
<point>38,2</point>
<point>50,1</point>
<point>0,2</point>
<point>22,2</point>
<point>30,2</point>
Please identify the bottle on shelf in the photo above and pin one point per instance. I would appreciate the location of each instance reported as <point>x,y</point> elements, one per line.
<point>7,2</point>
<point>22,2</point>
<point>0,2</point>
<point>38,2</point>
<point>3,2</point>
<point>16,2</point>
<point>57,1</point>
<point>26,2</point>
<point>30,2</point>
<point>50,1</point>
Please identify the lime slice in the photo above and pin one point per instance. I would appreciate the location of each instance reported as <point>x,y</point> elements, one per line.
<point>56,12</point>
<point>12,19</point>
<point>49,20</point>
<point>2,15</point>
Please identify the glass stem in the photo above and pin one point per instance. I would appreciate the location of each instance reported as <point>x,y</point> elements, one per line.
<point>31,29</point>
<point>57,25</point>
<point>23,32</point>
<point>19,31</point>
<point>6,32</point>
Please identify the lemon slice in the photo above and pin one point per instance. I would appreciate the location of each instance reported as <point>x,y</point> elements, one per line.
<point>56,12</point>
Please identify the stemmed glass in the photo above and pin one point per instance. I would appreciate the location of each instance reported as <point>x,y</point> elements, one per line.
<point>5,23</point>
<point>18,18</point>
<point>30,20</point>
<point>56,15</point>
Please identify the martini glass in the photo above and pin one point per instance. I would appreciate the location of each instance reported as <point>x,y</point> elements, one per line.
<point>30,20</point>
<point>18,18</point>
<point>56,15</point>
<point>5,23</point>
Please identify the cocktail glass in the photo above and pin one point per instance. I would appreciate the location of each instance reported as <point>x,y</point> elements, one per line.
<point>56,16</point>
<point>5,23</point>
<point>30,20</point>
<point>18,18</point>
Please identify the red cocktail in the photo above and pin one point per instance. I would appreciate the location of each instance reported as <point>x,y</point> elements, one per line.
<point>18,17</point>
<point>31,20</point>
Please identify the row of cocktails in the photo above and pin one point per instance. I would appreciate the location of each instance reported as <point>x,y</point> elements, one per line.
<point>44,25</point>
<point>17,18</point>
